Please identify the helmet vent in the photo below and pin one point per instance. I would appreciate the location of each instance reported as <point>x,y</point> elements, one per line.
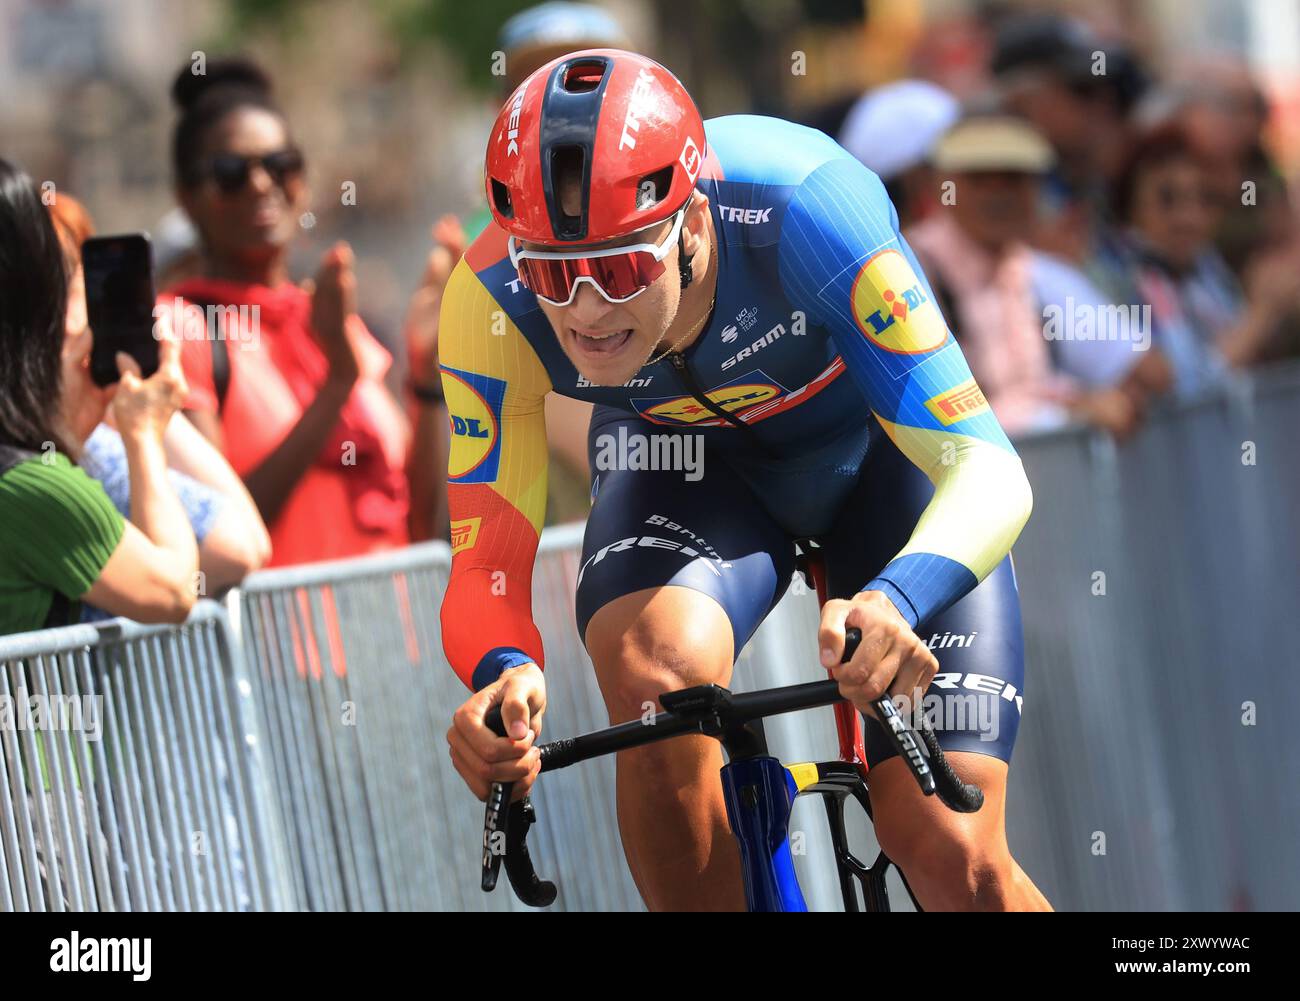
<point>569,177</point>
<point>584,77</point>
<point>501,199</point>
<point>653,188</point>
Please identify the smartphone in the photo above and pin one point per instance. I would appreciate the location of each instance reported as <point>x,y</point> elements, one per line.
<point>119,303</point>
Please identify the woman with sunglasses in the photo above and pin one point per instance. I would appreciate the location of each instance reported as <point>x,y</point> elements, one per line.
<point>286,381</point>
<point>736,292</point>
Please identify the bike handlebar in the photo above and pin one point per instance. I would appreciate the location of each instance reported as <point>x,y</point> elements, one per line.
<point>709,710</point>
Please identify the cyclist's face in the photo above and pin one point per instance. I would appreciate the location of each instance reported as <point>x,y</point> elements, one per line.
<point>610,342</point>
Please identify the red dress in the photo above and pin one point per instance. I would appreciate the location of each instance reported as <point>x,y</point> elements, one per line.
<point>354,497</point>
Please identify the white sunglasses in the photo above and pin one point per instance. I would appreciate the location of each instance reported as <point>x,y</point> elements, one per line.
<point>617,273</point>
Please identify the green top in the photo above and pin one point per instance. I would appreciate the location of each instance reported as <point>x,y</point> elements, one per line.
<point>57,531</point>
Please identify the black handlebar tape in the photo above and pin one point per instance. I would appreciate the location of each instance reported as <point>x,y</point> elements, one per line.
<point>962,797</point>
<point>852,637</point>
<point>559,753</point>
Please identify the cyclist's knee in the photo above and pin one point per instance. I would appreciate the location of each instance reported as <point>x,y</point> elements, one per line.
<point>661,643</point>
<point>963,863</point>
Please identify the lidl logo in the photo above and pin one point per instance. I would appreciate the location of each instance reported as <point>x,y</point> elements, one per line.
<point>892,309</point>
<point>464,534</point>
<point>474,411</point>
<point>688,410</point>
<point>957,403</point>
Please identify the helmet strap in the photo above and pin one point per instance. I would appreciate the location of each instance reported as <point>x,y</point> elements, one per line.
<point>684,269</point>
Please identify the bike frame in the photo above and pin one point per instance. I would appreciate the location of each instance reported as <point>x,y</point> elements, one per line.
<point>760,792</point>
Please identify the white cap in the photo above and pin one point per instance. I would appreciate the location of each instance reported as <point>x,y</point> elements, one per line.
<point>894,127</point>
<point>993,142</point>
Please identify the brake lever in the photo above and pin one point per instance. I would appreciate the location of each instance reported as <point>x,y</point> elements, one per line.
<point>959,796</point>
<point>533,891</point>
<point>505,834</point>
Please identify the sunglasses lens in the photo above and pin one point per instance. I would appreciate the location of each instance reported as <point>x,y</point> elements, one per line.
<point>625,275</point>
<point>230,172</point>
<point>283,164</point>
<point>547,279</point>
<point>619,277</point>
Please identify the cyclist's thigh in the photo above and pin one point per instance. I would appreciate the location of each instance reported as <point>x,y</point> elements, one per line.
<point>651,528</point>
<point>975,700</point>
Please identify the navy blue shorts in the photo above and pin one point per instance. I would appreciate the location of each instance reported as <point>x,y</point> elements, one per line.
<point>652,527</point>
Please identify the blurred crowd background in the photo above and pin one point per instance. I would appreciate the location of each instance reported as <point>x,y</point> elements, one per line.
<point>398,95</point>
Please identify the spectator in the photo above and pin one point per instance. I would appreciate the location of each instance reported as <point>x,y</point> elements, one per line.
<point>892,130</point>
<point>231,537</point>
<point>61,539</point>
<point>1223,113</point>
<point>546,31</point>
<point>996,291</point>
<point>1203,320</point>
<point>1077,91</point>
<point>287,383</point>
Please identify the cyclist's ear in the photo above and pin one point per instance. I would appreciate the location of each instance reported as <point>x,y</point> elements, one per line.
<point>696,223</point>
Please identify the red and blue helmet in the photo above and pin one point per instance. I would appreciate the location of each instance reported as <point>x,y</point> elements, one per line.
<point>620,119</point>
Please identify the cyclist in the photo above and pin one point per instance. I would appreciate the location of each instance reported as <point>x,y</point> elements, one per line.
<point>734,293</point>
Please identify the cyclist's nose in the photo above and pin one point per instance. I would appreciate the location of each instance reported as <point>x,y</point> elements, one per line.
<point>589,307</point>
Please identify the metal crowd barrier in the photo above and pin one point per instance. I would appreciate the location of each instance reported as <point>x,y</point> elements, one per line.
<point>1153,768</point>
<point>347,669</point>
<point>129,779</point>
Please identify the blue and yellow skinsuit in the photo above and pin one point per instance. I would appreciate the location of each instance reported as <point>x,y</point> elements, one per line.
<point>860,426</point>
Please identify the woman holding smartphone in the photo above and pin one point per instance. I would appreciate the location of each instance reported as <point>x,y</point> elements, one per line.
<point>286,382</point>
<point>61,540</point>
<point>233,541</point>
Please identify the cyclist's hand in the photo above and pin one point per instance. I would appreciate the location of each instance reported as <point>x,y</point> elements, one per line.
<point>480,755</point>
<point>891,657</point>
